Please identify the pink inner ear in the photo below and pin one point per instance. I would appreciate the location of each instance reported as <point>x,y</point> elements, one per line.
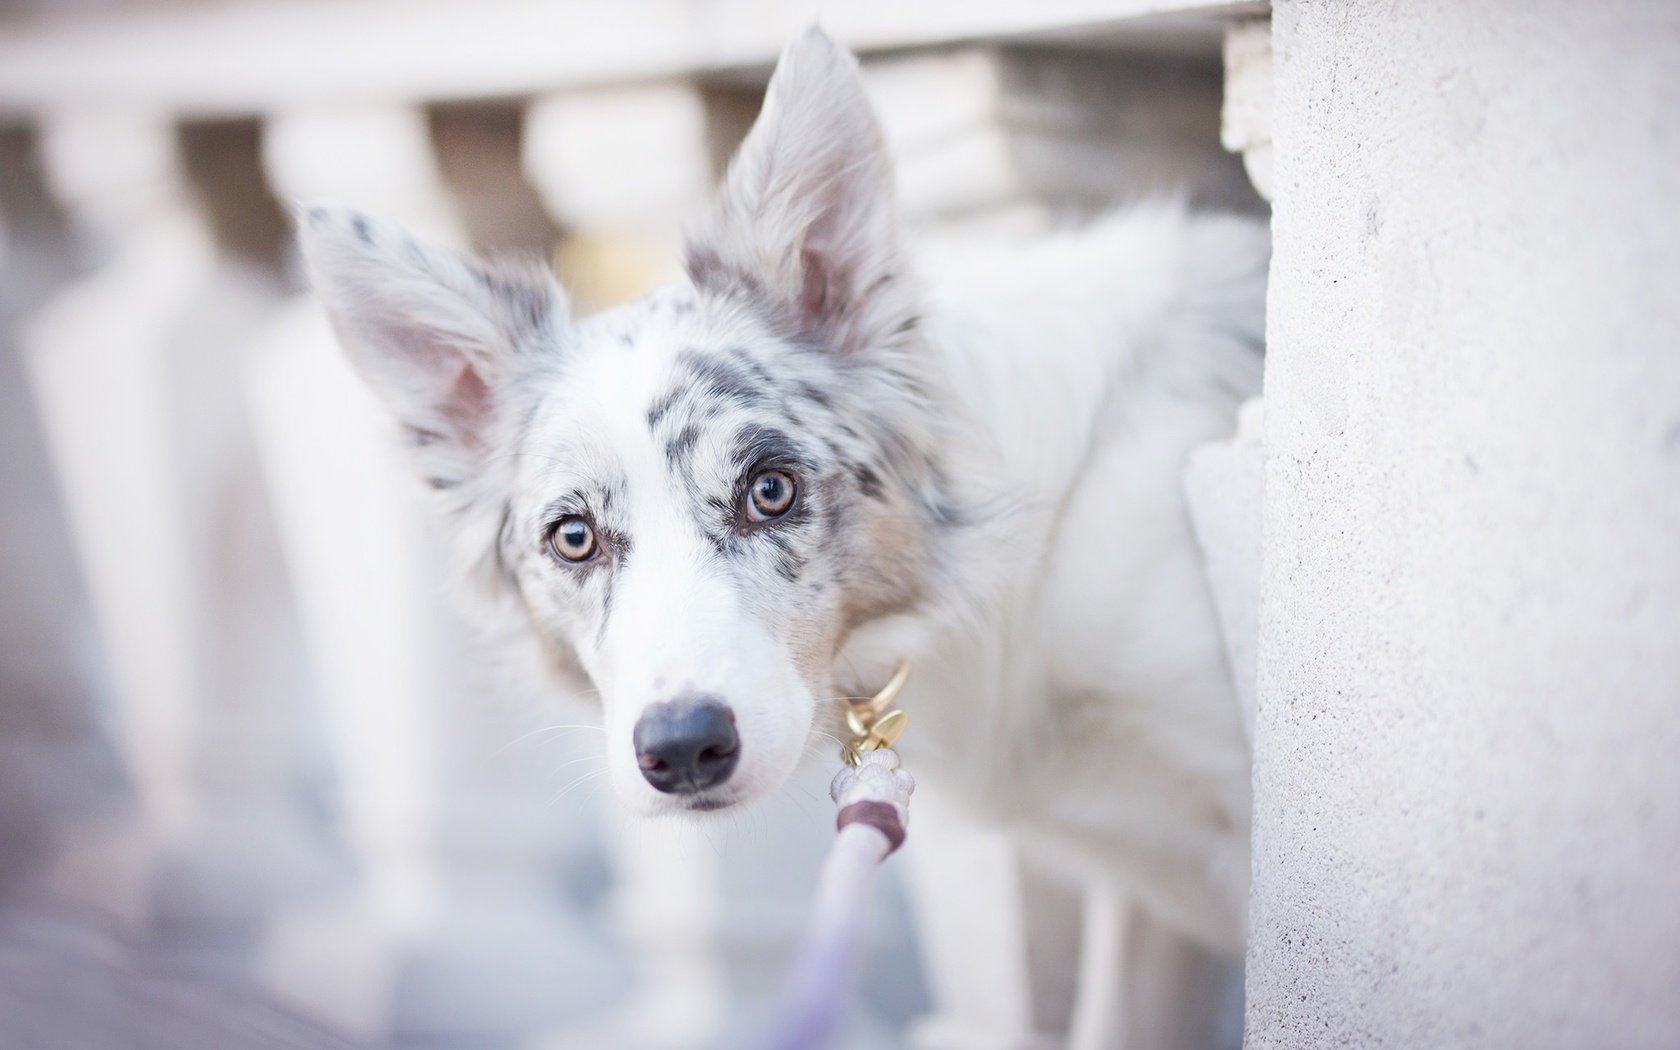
<point>466,405</point>
<point>814,294</point>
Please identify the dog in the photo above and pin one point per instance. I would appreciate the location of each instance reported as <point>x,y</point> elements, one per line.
<point>739,500</point>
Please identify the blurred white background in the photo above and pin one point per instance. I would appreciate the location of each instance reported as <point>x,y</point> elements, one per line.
<point>258,788</point>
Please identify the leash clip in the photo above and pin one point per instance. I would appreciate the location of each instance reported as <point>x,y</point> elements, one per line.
<point>873,721</point>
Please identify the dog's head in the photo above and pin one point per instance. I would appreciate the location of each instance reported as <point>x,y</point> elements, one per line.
<point>697,496</point>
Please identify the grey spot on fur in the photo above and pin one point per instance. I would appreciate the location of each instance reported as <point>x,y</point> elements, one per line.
<point>722,378</point>
<point>708,384</point>
<point>705,266</point>
<point>753,365</point>
<point>521,286</point>
<point>789,567</point>
<point>869,482</point>
<point>709,273</point>
<point>678,448</point>
<point>761,446</point>
<point>883,281</point>
<point>621,557</point>
<point>789,564</point>
<point>363,232</point>
<point>661,406</point>
<point>814,393</point>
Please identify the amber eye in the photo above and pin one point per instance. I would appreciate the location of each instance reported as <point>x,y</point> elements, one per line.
<point>771,495</point>
<point>573,538</point>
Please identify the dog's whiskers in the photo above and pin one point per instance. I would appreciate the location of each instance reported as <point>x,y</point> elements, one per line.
<point>540,731</point>
<point>598,757</point>
<point>826,735</point>
<point>593,774</point>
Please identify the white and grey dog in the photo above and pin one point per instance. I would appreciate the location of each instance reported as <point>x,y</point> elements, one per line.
<point>740,498</point>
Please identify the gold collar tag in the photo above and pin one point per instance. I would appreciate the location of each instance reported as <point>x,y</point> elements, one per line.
<point>873,721</point>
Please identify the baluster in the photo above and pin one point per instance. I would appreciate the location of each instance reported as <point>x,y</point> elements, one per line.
<point>508,955</point>
<point>955,172</point>
<point>623,169</point>
<point>363,568</point>
<point>976,909</point>
<point>1245,124</point>
<point>99,358</point>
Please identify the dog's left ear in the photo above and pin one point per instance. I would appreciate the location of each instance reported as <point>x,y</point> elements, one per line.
<point>806,213</point>
<point>436,334</point>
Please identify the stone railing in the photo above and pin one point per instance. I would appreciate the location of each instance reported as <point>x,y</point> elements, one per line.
<point>263,581</point>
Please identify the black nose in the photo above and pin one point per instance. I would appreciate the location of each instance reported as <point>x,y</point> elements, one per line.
<point>687,745</point>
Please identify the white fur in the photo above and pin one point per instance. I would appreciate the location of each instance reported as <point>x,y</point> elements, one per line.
<point>1076,687</point>
<point>1025,415</point>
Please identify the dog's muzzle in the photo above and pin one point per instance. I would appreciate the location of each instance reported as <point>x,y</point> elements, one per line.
<point>686,746</point>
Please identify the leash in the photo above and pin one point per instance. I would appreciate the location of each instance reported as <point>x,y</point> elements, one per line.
<point>872,796</point>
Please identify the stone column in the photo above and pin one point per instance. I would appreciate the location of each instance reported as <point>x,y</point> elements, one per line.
<point>1467,799</point>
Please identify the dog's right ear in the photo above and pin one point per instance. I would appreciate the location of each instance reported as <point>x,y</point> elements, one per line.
<point>806,219</point>
<point>434,333</point>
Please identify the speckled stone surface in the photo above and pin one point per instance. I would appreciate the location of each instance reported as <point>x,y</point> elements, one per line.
<point>1467,828</point>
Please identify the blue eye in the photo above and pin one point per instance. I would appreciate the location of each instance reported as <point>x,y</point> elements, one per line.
<point>573,538</point>
<point>770,495</point>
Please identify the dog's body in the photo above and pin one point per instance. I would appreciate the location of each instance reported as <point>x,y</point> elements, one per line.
<point>740,498</point>
<point>1072,683</point>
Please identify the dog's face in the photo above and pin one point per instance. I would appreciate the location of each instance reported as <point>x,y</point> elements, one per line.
<point>697,496</point>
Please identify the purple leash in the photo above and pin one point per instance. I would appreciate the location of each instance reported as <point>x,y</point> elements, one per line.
<point>873,797</point>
